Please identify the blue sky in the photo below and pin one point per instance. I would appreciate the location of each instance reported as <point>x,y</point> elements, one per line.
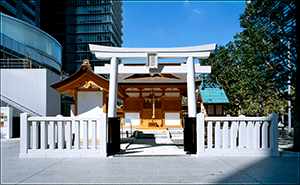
<point>179,24</point>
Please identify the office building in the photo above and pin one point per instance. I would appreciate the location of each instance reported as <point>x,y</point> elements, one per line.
<point>25,10</point>
<point>75,24</point>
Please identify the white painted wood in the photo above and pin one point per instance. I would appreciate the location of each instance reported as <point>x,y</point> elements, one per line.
<point>203,48</point>
<point>134,117</point>
<point>69,151</point>
<point>225,135</point>
<point>24,134</point>
<point>191,93</point>
<point>90,104</point>
<point>85,135</point>
<point>257,134</point>
<point>94,134</point>
<point>172,119</point>
<point>217,135</point>
<point>60,139</point>
<point>51,135</point>
<point>249,134</point>
<point>200,133</point>
<point>30,135</point>
<point>265,134</point>
<point>43,135</point>
<point>209,134</point>
<point>103,55</point>
<point>233,134</point>
<point>251,137</point>
<point>201,55</point>
<point>103,136</point>
<point>77,134</point>
<point>145,70</point>
<point>242,134</point>
<point>69,135</point>
<point>113,88</point>
<point>238,119</point>
<point>35,135</point>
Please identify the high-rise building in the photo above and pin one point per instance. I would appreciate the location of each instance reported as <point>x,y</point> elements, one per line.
<point>25,10</point>
<point>75,24</point>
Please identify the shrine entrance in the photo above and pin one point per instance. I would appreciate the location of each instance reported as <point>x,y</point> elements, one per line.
<point>147,105</point>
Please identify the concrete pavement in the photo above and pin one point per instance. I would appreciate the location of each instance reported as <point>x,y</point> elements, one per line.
<point>159,169</point>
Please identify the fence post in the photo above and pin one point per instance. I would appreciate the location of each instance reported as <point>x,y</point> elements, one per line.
<point>274,134</point>
<point>24,134</point>
<point>103,136</point>
<point>60,130</point>
<point>200,134</point>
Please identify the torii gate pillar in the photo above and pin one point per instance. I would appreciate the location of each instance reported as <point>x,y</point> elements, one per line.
<point>152,55</point>
<point>192,108</point>
<point>113,88</point>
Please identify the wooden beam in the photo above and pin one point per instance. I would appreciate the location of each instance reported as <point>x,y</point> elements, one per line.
<point>89,90</point>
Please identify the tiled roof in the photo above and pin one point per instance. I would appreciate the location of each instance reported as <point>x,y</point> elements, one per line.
<point>212,93</point>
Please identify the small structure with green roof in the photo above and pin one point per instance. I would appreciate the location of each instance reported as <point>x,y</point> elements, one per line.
<point>211,99</point>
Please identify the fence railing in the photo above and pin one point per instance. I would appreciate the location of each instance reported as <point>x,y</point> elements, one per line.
<point>54,137</point>
<point>237,136</point>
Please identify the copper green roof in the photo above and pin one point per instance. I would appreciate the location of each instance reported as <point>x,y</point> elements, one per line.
<point>212,94</point>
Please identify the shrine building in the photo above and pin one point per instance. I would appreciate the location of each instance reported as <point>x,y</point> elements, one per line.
<point>151,92</point>
<point>150,101</point>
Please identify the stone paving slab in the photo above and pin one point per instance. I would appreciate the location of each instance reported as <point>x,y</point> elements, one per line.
<point>148,170</point>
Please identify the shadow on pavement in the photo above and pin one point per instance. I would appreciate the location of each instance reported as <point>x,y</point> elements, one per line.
<point>268,170</point>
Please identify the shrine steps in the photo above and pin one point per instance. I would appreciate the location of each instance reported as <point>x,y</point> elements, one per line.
<point>176,133</point>
<point>173,133</point>
<point>153,133</point>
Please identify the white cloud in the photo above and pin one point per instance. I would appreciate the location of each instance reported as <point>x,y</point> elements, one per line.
<point>196,11</point>
<point>186,2</point>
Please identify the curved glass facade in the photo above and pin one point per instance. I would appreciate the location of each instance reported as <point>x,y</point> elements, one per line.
<point>23,39</point>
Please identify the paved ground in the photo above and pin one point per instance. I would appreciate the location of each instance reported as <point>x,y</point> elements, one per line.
<point>151,146</point>
<point>176,169</point>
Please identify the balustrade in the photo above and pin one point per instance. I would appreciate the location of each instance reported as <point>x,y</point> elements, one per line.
<point>237,136</point>
<point>54,136</point>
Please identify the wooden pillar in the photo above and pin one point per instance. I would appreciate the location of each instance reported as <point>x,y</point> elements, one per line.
<point>76,102</point>
<point>104,101</point>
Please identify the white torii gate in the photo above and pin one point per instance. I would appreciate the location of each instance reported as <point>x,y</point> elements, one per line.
<point>152,55</point>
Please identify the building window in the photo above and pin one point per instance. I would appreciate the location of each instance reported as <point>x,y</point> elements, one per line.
<point>210,110</point>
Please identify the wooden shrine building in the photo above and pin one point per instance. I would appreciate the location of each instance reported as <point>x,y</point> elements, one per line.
<point>150,101</point>
<point>154,100</point>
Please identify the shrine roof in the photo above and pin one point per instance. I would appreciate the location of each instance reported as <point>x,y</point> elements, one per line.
<point>153,79</point>
<point>86,78</point>
<point>212,93</point>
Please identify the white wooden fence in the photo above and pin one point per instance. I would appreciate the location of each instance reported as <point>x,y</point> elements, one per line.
<point>237,136</point>
<point>52,137</point>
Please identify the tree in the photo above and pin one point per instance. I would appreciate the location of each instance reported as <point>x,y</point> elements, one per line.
<point>240,67</point>
<point>262,61</point>
<point>277,20</point>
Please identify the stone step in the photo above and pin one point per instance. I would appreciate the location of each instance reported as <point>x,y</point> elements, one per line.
<point>176,133</point>
<point>176,136</point>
